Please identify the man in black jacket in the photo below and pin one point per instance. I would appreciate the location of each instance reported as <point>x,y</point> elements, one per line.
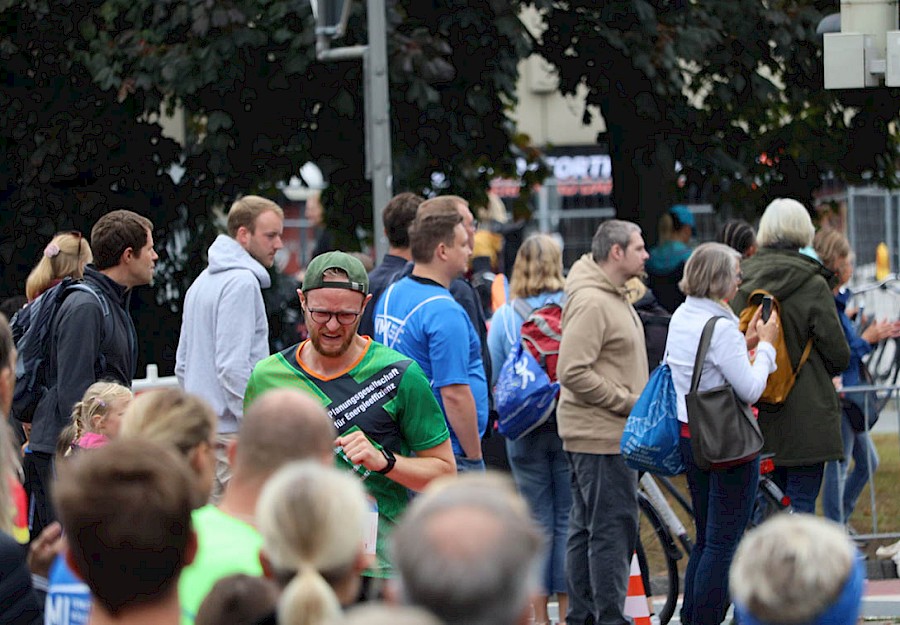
<point>92,338</point>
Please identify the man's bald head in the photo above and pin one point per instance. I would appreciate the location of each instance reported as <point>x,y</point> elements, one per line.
<point>281,426</point>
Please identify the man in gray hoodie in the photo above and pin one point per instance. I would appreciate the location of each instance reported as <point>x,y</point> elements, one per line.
<point>224,331</point>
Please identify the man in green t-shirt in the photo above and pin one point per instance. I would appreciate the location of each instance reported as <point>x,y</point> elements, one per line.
<point>283,426</point>
<point>392,432</point>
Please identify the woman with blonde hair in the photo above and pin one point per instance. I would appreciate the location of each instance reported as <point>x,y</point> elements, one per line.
<point>178,419</point>
<point>537,460</point>
<point>313,522</point>
<point>65,256</point>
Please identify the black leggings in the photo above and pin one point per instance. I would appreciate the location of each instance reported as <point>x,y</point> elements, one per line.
<point>38,482</point>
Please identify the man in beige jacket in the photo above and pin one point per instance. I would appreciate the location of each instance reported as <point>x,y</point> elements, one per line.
<point>602,368</point>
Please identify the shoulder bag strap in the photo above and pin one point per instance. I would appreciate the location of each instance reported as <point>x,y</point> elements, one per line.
<point>702,348</point>
<point>522,307</point>
<point>804,357</point>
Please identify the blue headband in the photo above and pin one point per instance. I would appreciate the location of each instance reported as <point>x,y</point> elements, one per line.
<point>844,611</point>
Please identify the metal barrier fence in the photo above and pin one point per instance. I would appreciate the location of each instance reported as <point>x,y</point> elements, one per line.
<point>153,381</point>
<point>888,393</point>
<point>879,300</point>
<point>873,216</point>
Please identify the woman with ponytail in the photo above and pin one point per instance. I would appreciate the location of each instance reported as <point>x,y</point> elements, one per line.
<point>65,256</point>
<point>313,519</point>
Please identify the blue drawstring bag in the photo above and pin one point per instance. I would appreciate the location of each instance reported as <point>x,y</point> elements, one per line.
<point>524,396</point>
<point>652,431</point>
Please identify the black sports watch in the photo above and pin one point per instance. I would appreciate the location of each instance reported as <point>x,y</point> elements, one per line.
<point>391,460</point>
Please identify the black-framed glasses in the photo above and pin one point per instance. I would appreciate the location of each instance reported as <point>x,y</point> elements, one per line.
<point>324,316</point>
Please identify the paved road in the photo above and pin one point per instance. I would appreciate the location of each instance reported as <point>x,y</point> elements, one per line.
<point>882,601</point>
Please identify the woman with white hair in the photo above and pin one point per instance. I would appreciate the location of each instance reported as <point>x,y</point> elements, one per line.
<point>797,569</point>
<point>804,431</point>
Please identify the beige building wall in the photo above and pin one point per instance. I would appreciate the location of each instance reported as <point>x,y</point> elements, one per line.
<point>542,113</point>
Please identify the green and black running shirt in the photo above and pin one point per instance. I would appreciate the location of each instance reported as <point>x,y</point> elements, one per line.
<point>387,396</point>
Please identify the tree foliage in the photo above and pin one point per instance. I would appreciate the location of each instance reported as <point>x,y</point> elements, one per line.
<point>84,83</point>
<point>731,91</point>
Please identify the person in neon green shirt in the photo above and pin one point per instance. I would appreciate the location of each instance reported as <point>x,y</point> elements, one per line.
<point>282,426</point>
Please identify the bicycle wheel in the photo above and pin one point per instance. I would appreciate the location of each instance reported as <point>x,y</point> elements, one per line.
<point>770,500</point>
<point>657,557</point>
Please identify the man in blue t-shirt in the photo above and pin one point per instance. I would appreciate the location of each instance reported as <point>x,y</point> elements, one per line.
<point>418,317</point>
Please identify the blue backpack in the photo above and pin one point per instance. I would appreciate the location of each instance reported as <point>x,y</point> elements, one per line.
<point>32,330</point>
<point>526,390</point>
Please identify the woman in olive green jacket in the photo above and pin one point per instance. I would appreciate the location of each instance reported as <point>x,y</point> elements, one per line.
<point>805,431</point>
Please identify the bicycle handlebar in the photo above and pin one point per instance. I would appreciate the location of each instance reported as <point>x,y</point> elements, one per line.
<point>882,284</point>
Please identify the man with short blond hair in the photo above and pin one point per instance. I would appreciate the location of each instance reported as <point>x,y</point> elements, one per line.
<point>225,330</point>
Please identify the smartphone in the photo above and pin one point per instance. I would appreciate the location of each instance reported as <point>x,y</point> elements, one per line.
<point>766,308</point>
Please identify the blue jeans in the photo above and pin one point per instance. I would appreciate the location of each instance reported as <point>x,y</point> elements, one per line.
<point>801,484</point>
<point>542,475</point>
<point>464,465</point>
<point>841,487</point>
<point>603,526</point>
<point>723,502</point>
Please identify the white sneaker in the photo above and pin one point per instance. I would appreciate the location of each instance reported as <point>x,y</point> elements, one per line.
<point>888,551</point>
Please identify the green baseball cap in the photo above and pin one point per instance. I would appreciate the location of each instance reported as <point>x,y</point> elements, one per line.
<point>314,278</point>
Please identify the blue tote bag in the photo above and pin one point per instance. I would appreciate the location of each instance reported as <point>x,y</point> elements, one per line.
<point>652,431</point>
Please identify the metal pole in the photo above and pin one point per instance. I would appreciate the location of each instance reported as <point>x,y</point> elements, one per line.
<point>378,125</point>
<point>378,121</point>
<point>377,111</point>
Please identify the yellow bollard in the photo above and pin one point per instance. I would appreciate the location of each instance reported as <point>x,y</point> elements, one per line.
<point>882,261</point>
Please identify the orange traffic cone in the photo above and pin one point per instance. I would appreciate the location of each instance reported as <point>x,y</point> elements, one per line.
<point>636,603</point>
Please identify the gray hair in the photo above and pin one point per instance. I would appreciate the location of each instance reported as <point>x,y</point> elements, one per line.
<point>376,613</point>
<point>469,552</point>
<point>785,224</point>
<point>709,272</point>
<point>791,568</point>
<point>610,233</point>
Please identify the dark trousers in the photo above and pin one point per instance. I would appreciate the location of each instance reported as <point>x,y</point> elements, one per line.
<point>801,484</point>
<point>602,535</point>
<point>723,502</point>
<point>39,474</point>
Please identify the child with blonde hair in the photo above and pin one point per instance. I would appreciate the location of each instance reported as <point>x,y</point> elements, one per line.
<point>95,419</point>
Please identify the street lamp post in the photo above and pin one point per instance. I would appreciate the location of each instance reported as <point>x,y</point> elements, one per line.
<point>331,19</point>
